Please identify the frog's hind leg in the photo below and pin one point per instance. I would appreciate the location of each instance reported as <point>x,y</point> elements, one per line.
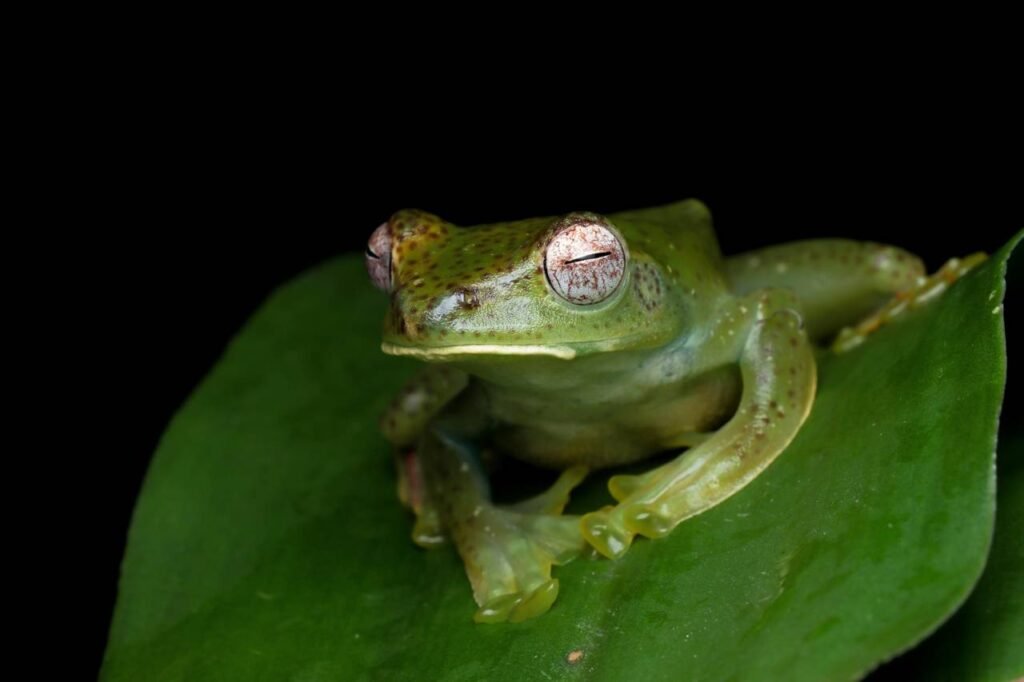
<point>844,286</point>
<point>925,290</point>
<point>508,551</point>
<point>838,281</point>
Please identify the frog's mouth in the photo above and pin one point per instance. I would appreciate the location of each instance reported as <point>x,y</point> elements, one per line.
<point>454,352</point>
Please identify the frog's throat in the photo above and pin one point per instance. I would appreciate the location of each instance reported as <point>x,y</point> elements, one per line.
<point>561,352</point>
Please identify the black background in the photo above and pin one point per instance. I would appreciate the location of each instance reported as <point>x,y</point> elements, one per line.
<point>212,203</point>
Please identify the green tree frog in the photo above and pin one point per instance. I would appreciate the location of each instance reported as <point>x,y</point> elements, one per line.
<point>583,342</point>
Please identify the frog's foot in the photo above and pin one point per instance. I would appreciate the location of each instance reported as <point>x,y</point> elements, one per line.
<point>508,559</point>
<point>508,551</point>
<point>925,290</point>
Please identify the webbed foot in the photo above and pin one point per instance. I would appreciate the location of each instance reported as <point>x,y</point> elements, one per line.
<point>508,552</point>
<point>508,560</point>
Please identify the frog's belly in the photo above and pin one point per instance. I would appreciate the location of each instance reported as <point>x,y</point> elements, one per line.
<point>550,436</point>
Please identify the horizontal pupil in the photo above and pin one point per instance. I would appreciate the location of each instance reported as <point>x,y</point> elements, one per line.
<point>370,253</point>
<point>592,256</point>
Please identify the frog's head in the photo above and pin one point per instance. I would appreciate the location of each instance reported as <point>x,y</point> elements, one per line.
<point>560,287</point>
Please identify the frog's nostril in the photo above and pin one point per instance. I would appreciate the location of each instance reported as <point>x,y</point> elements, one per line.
<point>467,298</point>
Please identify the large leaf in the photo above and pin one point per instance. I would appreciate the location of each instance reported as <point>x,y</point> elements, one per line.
<point>268,545</point>
<point>984,641</point>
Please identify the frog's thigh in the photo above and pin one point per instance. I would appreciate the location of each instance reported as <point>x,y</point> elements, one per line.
<point>838,281</point>
<point>508,552</point>
<point>778,370</point>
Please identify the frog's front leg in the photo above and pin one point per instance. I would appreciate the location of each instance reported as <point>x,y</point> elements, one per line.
<point>507,551</point>
<point>778,372</point>
<point>422,398</point>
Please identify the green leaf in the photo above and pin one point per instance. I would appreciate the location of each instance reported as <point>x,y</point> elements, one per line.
<point>984,641</point>
<point>268,544</point>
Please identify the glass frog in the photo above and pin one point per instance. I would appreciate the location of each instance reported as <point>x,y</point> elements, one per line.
<point>583,342</point>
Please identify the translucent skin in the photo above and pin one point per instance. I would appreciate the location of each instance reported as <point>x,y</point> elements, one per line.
<point>689,351</point>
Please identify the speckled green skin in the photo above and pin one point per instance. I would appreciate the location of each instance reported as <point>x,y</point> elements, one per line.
<point>486,285</point>
<point>690,350</point>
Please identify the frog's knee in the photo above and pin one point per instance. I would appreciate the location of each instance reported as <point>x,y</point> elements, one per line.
<point>789,318</point>
<point>892,269</point>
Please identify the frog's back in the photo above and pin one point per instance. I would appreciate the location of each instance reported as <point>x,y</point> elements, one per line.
<point>680,236</point>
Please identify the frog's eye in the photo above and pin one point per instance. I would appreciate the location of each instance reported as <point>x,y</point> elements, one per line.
<point>585,260</point>
<point>378,257</point>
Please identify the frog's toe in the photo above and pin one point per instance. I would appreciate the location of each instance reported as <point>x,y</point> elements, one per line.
<point>427,531</point>
<point>517,607</point>
<point>536,602</point>
<point>648,520</point>
<point>622,486</point>
<point>606,533</point>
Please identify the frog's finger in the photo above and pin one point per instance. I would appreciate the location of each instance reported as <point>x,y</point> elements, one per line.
<point>606,533</point>
<point>622,486</point>
<point>554,499</point>
<point>779,375</point>
<point>516,608</point>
